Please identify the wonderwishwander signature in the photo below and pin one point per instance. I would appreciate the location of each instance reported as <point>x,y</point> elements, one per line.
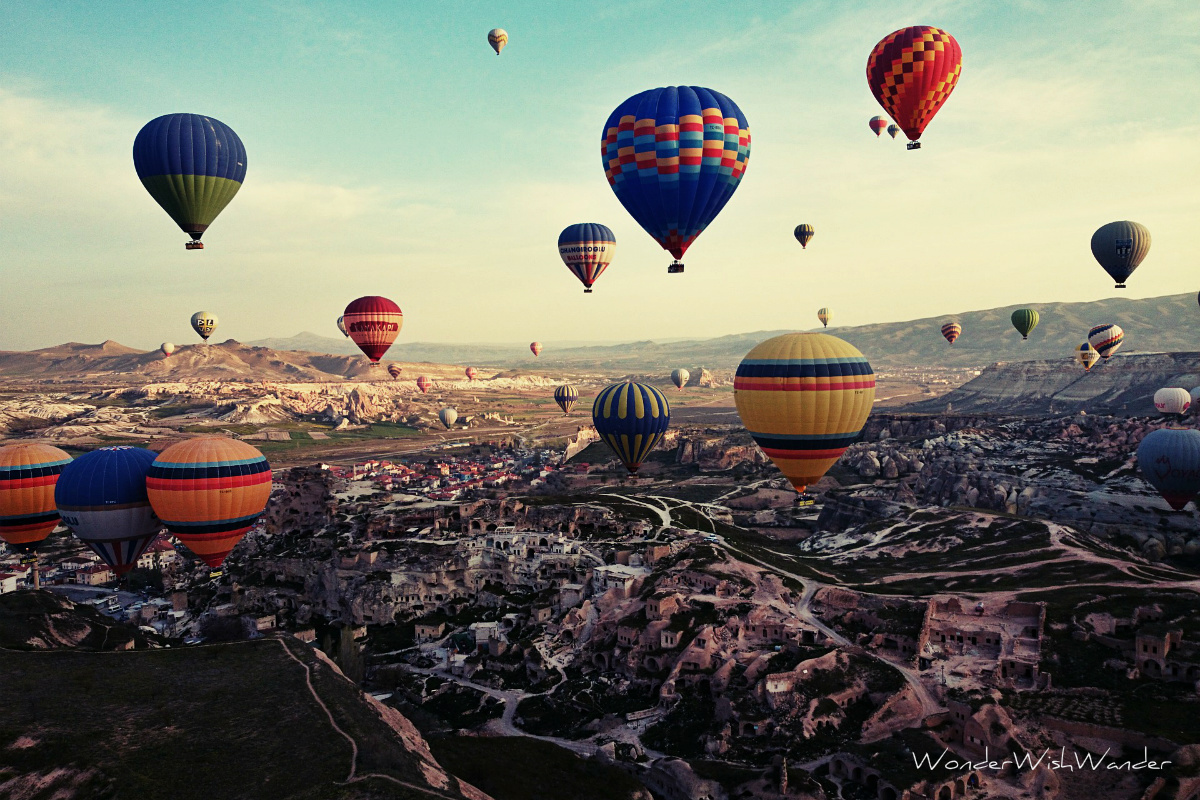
<point>1061,760</point>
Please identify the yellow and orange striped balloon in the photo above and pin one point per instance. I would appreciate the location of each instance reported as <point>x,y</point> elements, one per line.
<point>28,474</point>
<point>208,491</point>
<point>804,397</point>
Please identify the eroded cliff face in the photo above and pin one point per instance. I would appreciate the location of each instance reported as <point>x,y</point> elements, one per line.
<point>1124,384</point>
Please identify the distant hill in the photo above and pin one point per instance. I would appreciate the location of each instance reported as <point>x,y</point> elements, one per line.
<point>1124,385</point>
<point>987,336</point>
<point>195,723</point>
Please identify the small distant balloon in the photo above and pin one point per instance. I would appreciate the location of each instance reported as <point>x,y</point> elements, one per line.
<point>497,38</point>
<point>423,383</point>
<point>680,378</point>
<point>893,129</point>
<point>951,330</point>
<point>394,370</point>
<point>1119,247</point>
<point>535,348</point>
<point>341,323</point>
<point>1086,355</point>
<point>824,315</point>
<point>1169,460</point>
<point>166,348</point>
<point>204,323</point>
<point>448,416</point>
<point>470,372</point>
<point>587,248</point>
<point>1025,320</point>
<point>877,124</point>
<point>804,234</point>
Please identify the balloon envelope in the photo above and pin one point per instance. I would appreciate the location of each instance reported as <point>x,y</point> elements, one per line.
<point>565,396</point>
<point>497,38</point>
<point>804,234</point>
<point>341,323</point>
<point>394,370</point>
<point>893,129</point>
<point>1119,247</point>
<point>1172,400</point>
<point>208,491</point>
<point>631,418</point>
<point>470,372</point>
<point>28,473</point>
<point>912,72</point>
<point>951,330</point>
<point>192,166</point>
<point>535,348</point>
<point>1169,460</point>
<point>448,416</point>
<point>680,378</point>
<point>587,248</point>
<point>373,323</point>
<point>1025,320</point>
<point>166,348</point>
<point>1106,339</point>
<point>1086,355</point>
<point>877,124</point>
<point>824,315</point>
<point>674,156</point>
<point>804,398</point>
<point>204,323</point>
<point>423,383</point>
<point>103,500</point>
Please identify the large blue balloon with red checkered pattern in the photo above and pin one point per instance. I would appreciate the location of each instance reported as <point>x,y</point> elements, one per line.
<point>674,156</point>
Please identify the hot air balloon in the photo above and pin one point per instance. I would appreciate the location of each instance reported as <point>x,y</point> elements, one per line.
<point>565,396</point>
<point>341,323</point>
<point>1025,320</point>
<point>951,330</point>
<point>204,323</point>
<point>804,398</point>
<point>423,383</point>
<point>208,491</point>
<point>674,156</point>
<point>166,348</point>
<point>373,323</point>
<point>192,166</point>
<point>587,248</point>
<point>102,498</point>
<point>1086,355</point>
<point>448,416</point>
<point>1106,339</point>
<point>535,348</point>
<point>28,473</point>
<point>1169,459</point>
<point>497,38</point>
<point>877,124</point>
<point>1172,400</point>
<point>911,72</point>
<point>1120,247</point>
<point>471,372</point>
<point>680,377</point>
<point>824,315</point>
<point>631,418</point>
<point>804,234</point>
<point>893,129</point>
<point>394,370</point>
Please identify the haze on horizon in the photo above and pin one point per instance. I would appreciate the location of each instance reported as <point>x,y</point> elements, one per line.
<point>391,152</point>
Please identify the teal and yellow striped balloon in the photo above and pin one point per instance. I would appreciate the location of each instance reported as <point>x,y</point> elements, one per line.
<point>631,418</point>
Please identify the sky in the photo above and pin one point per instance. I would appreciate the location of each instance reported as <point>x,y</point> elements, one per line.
<point>391,152</point>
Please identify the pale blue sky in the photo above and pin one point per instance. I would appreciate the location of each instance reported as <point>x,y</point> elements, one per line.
<point>391,152</point>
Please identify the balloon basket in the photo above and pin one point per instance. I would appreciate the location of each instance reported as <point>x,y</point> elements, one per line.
<point>587,291</point>
<point>676,267</point>
<point>193,245</point>
<point>913,146</point>
<point>1119,286</point>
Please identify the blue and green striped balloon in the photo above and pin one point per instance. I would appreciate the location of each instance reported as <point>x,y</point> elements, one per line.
<point>192,166</point>
<point>631,418</point>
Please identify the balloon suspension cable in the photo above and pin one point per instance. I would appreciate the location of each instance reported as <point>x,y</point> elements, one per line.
<point>676,267</point>
<point>914,146</point>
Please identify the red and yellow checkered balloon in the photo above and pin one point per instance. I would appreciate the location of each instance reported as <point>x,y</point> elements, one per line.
<point>911,73</point>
